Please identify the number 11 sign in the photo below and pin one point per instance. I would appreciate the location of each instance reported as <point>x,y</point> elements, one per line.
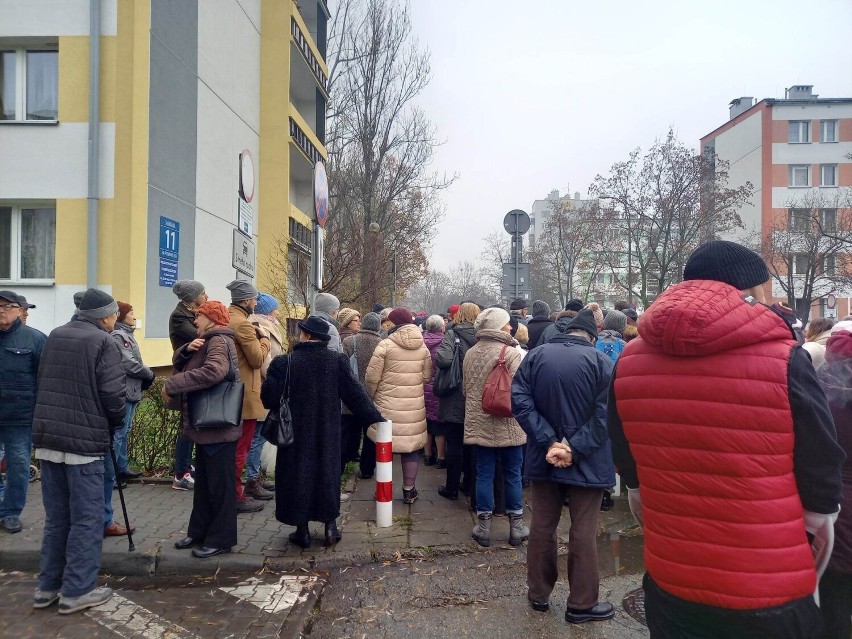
<point>169,250</point>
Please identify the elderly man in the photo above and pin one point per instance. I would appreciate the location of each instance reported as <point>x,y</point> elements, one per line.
<point>724,439</point>
<point>79,405</point>
<point>253,346</point>
<point>20,352</point>
<point>559,398</point>
<point>326,307</point>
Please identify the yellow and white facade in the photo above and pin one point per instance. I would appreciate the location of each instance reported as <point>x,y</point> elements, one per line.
<point>185,87</point>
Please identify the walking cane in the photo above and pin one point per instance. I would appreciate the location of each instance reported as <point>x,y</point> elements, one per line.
<point>130,546</point>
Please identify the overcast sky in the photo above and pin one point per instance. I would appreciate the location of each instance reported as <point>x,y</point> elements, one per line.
<point>532,96</point>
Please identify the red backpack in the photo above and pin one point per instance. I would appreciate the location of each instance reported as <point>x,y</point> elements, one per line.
<point>497,394</point>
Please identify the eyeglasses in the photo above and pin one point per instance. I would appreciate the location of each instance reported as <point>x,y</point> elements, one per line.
<point>8,307</point>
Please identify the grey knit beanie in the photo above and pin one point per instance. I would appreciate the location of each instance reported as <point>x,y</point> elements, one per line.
<point>241,291</point>
<point>187,290</point>
<point>371,322</point>
<point>78,296</point>
<point>327,303</point>
<point>96,305</point>
<point>615,321</point>
<point>540,308</point>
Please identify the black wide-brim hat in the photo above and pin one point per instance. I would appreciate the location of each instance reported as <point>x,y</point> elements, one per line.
<point>317,327</point>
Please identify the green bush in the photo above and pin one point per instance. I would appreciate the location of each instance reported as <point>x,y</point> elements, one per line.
<point>151,443</point>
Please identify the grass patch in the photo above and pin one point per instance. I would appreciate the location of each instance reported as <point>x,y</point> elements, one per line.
<point>403,521</point>
<point>348,473</point>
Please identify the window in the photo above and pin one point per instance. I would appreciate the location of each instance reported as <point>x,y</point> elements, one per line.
<point>800,220</point>
<point>800,175</point>
<point>828,175</point>
<point>798,131</point>
<point>800,263</point>
<point>828,265</point>
<point>27,242</point>
<point>29,85</point>
<point>828,131</point>
<point>828,219</point>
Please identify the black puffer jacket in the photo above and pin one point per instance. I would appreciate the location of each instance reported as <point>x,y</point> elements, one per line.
<point>81,390</point>
<point>451,408</point>
<point>20,350</point>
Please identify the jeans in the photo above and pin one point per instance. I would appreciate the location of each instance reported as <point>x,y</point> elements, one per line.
<point>109,482</point>
<point>510,458</point>
<point>120,441</point>
<point>183,456</point>
<point>18,442</point>
<point>73,534</point>
<point>253,459</point>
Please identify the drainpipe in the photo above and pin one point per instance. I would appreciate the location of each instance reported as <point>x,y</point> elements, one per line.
<point>94,140</point>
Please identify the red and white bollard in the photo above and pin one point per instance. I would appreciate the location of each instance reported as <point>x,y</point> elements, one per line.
<point>384,474</point>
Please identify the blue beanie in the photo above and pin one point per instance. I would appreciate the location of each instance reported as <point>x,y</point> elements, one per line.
<point>265,304</point>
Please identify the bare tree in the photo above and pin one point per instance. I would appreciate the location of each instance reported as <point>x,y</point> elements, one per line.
<point>497,251</point>
<point>380,145</point>
<point>666,202</point>
<point>807,248</point>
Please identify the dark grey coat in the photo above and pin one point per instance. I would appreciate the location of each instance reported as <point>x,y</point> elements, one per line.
<point>307,473</point>
<point>139,376</point>
<point>451,408</point>
<point>81,390</point>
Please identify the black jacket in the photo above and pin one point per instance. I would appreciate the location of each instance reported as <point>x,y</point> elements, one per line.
<point>451,408</point>
<point>20,351</point>
<point>181,326</point>
<point>81,390</point>
<point>535,327</point>
<point>560,391</point>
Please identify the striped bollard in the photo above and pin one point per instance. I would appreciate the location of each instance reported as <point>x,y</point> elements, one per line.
<point>384,475</point>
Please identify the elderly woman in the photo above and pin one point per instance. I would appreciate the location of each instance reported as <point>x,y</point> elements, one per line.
<point>497,439</point>
<point>433,335</point>
<point>350,322</point>
<point>835,587</point>
<point>201,364</point>
<point>400,366</point>
<point>315,379</point>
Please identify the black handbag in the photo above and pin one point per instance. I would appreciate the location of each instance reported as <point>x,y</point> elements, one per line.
<point>277,428</point>
<point>448,380</point>
<point>220,406</point>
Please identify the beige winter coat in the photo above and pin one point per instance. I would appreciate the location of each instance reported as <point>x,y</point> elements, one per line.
<point>480,428</point>
<point>276,344</point>
<point>400,365</point>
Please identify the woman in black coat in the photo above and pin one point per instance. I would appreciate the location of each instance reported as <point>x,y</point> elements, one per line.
<point>307,473</point>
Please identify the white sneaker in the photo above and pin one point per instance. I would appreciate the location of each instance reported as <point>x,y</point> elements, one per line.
<point>96,597</point>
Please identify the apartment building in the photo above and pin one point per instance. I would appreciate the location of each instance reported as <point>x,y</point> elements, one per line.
<point>796,153</point>
<point>178,142</point>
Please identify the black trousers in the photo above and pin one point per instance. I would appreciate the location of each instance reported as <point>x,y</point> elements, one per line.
<point>350,440</point>
<point>835,603</point>
<point>213,521</point>
<point>455,458</point>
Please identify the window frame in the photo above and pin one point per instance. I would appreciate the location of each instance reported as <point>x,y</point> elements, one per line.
<point>792,171</point>
<point>822,131</point>
<point>20,52</point>
<point>824,220</point>
<point>806,124</point>
<point>822,183</point>
<point>16,244</point>
<point>794,263</point>
<point>799,220</point>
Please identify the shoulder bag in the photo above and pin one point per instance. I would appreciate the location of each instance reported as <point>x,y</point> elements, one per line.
<point>220,406</point>
<point>277,428</point>
<point>448,380</point>
<point>353,358</point>
<point>497,394</point>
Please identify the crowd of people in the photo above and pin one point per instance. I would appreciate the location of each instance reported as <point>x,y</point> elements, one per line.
<point>728,422</point>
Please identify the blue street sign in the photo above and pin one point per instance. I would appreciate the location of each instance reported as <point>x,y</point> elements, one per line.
<point>168,272</point>
<point>169,239</point>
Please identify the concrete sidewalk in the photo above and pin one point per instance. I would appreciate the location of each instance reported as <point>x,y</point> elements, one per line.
<point>431,526</point>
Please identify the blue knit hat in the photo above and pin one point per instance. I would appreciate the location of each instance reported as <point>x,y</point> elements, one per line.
<point>265,304</point>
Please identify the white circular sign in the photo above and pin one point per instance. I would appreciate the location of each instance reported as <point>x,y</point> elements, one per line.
<point>246,175</point>
<point>830,301</point>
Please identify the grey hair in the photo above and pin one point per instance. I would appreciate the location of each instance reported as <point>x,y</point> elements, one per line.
<point>434,324</point>
<point>385,312</point>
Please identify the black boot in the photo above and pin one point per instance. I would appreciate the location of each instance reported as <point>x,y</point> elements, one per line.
<point>301,536</point>
<point>332,534</point>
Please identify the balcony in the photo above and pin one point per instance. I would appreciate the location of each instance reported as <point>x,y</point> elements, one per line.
<point>303,44</point>
<point>315,15</point>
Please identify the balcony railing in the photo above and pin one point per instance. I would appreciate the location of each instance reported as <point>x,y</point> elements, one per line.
<point>307,52</point>
<point>304,143</point>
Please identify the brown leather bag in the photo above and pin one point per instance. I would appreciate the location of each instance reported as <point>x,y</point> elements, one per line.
<point>497,394</point>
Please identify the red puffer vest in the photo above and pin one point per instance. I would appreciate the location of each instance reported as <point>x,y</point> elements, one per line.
<point>703,396</point>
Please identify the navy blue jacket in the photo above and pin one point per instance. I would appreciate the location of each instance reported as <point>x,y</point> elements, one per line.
<point>20,352</point>
<point>560,391</point>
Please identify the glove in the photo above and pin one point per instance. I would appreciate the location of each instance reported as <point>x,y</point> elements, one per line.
<point>822,528</point>
<point>634,500</point>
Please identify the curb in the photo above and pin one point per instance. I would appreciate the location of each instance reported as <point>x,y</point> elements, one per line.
<point>301,617</point>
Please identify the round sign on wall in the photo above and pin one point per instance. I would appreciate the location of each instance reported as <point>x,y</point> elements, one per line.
<point>320,194</point>
<point>830,301</point>
<point>246,175</point>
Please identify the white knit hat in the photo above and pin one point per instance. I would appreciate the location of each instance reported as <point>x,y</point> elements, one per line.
<point>491,318</point>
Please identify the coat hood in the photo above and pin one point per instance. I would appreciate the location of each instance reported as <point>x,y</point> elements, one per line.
<point>496,335</point>
<point>703,317</point>
<point>433,340</point>
<point>465,333</point>
<point>408,336</point>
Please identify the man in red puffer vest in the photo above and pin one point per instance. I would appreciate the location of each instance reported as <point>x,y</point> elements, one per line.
<point>716,411</point>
